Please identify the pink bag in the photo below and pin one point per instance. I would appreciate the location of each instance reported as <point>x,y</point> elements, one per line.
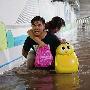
<point>43,57</point>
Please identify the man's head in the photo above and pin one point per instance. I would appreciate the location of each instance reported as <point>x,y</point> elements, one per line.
<point>38,25</point>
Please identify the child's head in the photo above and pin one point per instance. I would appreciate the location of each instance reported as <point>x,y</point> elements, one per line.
<point>59,20</point>
<point>55,24</point>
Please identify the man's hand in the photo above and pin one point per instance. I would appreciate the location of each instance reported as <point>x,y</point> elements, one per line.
<point>24,53</point>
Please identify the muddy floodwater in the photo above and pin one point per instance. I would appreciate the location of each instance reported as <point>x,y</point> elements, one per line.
<point>42,80</point>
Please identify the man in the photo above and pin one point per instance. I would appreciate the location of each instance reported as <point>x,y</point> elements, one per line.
<point>39,33</point>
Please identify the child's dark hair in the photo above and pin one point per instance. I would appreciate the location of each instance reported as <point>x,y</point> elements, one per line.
<point>38,18</point>
<point>56,22</point>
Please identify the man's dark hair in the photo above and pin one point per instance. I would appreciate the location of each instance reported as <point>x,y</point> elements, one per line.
<point>38,18</point>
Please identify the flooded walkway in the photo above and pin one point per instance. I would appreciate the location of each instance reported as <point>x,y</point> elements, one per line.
<point>42,80</point>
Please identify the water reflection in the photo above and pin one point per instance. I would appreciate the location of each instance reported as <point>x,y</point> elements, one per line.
<point>41,83</point>
<point>66,81</point>
<point>37,82</point>
<point>52,82</point>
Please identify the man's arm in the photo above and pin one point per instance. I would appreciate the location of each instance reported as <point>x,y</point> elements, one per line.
<point>26,47</point>
<point>24,53</point>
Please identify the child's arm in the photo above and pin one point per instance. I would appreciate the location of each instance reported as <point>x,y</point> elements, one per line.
<point>63,41</point>
<point>30,33</point>
<point>36,39</point>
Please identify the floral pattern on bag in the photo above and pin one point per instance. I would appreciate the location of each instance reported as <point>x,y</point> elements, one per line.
<point>43,57</point>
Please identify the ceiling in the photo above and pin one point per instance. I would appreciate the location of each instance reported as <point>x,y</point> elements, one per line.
<point>81,7</point>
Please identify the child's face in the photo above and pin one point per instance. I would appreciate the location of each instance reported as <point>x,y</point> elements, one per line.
<point>38,27</point>
<point>55,30</point>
